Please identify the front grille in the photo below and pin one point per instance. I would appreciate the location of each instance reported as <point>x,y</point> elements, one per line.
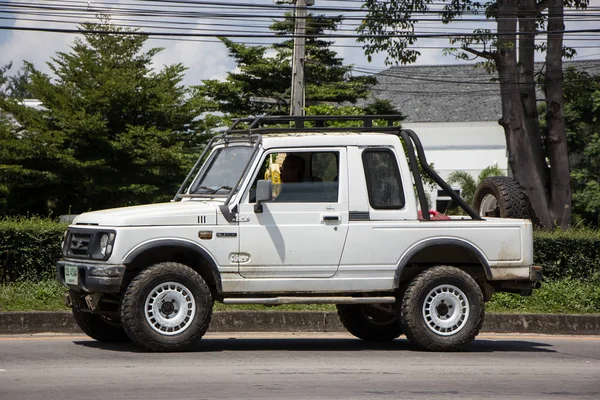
<point>80,243</point>
<point>85,243</point>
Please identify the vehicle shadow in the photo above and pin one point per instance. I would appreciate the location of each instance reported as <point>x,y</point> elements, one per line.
<point>329,344</point>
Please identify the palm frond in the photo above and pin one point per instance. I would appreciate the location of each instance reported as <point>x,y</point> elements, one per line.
<point>492,170</point>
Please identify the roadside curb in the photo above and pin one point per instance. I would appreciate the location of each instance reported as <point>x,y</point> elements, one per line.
<point>12,323</point>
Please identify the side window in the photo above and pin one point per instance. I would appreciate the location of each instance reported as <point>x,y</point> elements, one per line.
<point>383,179</point>
<point>301,177</point>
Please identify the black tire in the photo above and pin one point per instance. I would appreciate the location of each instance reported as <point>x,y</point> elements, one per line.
<point>167,307</point>
<point>501,196</point>
<point>431,313</point>
<point>369,323</point>
<point>99,328</point>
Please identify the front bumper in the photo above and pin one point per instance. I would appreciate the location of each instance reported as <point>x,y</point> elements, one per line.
<point>104,278</point>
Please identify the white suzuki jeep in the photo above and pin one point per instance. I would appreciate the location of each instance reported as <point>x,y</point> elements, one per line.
<point>310,214</point>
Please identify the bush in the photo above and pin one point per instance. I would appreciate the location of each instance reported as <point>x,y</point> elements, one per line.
<point>29,248</point>
<point>568,254</point>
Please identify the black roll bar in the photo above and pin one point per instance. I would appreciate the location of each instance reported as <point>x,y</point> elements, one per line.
<point>408,136</point>
<point>414,167</point>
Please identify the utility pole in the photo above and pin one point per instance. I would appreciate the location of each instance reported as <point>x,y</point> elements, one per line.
<point>298,55</point>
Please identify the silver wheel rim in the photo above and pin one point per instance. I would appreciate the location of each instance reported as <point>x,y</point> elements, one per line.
<point>446,310</point>
<point>488,205</point>
<point>170,308</point>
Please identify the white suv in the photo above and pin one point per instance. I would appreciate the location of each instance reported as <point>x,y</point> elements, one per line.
<point>338,223</point>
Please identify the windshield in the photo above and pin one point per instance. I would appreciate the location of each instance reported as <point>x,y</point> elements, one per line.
<point>222,171</point>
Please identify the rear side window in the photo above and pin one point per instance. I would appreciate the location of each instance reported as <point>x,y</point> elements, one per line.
<point>383,179</point>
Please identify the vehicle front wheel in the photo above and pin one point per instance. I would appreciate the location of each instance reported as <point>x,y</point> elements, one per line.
<point>370,322</point>
<point>442,310</point>
<point>167,307</point>
<point>99,327</point>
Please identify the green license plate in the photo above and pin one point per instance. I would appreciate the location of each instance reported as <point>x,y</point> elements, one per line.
<point>71,275</point>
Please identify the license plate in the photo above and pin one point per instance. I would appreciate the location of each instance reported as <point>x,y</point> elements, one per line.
<point>71,275</point>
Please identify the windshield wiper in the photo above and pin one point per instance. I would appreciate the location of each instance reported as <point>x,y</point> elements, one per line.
<point>221,188</point>
<point>203,187</point>
<point>211,190</point>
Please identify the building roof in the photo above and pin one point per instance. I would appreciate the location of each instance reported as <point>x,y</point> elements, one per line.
<point>449,93</point>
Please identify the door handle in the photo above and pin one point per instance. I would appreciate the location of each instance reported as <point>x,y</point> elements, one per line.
<point>331,218</point>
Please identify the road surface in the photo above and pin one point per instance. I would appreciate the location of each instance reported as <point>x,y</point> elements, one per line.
<point>298,366</point>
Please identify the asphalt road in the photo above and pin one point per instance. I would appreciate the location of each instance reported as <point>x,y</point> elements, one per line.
<point>288,366</point>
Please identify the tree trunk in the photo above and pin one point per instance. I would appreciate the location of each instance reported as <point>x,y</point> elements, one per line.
<point>560,187</point>
<point>521,153</point>
<point>527,25</point>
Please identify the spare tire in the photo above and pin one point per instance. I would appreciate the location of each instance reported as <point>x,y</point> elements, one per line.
<point>501,196</point>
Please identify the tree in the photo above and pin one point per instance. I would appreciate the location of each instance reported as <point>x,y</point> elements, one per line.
<point>389,26</point>
<point>582,115</point>
<point>18,85</point>
<point>468,185</point>
<point>112,132</point>
<point>4,79</point>
<point>15,86</point>
<point>262,85</point>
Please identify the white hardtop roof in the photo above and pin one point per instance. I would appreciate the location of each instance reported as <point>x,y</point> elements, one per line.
<point>318,139</point>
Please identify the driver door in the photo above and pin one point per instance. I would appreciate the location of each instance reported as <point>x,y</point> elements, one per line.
<point>302,234</point>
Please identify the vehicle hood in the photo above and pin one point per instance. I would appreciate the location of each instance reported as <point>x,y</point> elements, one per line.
<point>176,213</point>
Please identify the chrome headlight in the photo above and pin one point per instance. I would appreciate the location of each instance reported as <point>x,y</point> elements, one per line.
<point>103,245</point>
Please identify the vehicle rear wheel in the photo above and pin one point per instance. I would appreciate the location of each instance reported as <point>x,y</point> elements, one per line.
<point>167,307</point>
<point>99,327</point>
<point>501,196</point>
<point>370,322</point>
<point>442,309</point>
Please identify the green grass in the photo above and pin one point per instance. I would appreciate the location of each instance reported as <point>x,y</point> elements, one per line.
<point>32,296</point>
<point>567,296</point>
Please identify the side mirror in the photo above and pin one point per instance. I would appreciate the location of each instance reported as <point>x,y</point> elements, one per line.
<point>264,192</point>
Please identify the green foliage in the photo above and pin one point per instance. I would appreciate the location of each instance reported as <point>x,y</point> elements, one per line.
<point>569,296</point>
<point>29,248</point>
<point>114,132</point>
<point>582,117</point>
<point>390,27</point>
<point>468,185</point>
<point>15,86</point>
<point>262,85</point>
<point>568,254</point>
<point>4,79</point>
<point>381,107</point>
<point>46,295</point>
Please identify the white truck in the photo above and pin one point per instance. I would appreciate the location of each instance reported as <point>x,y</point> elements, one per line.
<point>338,225</point>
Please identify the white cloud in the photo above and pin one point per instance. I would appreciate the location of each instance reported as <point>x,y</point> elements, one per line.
<point>204,59</point>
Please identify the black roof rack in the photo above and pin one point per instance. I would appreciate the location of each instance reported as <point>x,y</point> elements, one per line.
<point>265,124</point>
<point>257,126</point>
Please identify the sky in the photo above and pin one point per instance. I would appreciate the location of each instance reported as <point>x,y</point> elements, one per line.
<point>208,59</point>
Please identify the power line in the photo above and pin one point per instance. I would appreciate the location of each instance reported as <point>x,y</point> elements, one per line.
<point>270,35</point>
